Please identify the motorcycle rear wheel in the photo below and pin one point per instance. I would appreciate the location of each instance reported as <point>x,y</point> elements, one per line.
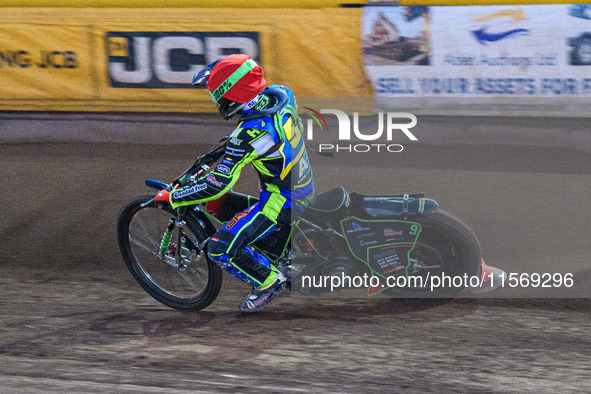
<point>446,247</point>
<point>193,286</point>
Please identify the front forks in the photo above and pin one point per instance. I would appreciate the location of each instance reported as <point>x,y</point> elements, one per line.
<point>164,245</point>
<point>185,251</point>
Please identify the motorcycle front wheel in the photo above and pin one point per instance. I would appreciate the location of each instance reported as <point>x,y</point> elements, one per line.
<point>191,285</point>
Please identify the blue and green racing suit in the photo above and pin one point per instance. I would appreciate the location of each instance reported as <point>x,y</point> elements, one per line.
<point>269,137</point>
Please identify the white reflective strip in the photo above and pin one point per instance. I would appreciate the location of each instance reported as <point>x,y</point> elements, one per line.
<point>263,144</point>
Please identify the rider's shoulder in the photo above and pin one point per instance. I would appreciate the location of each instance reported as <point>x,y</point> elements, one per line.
<point>283,88</point>
<point>285,95</point>
<point>254,126</point>
<point>271,101</point>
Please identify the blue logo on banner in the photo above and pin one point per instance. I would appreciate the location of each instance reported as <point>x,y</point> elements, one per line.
<point>482,36</point>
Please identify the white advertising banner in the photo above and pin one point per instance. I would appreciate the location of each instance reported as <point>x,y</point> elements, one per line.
<point>485,51</point>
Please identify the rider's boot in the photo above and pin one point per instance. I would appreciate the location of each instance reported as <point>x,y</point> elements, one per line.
<point>258,298</point>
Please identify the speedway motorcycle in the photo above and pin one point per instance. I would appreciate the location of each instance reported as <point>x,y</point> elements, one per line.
<point>340,235</point>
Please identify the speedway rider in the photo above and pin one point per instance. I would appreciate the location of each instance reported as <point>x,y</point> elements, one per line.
<point>268,137</point>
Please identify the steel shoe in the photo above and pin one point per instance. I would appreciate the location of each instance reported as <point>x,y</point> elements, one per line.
<point>258,299</point>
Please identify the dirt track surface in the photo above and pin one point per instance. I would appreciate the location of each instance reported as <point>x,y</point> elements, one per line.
<point>73,319</point>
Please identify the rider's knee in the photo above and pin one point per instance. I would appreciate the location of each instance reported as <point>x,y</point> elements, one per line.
<point>217,250</point>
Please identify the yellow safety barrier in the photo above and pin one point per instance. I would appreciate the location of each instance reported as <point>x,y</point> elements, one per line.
<point>301,4</point>
<point>44,62</point>
<point>486,2</point>
<point>116,59</point>
<point>259,4</point>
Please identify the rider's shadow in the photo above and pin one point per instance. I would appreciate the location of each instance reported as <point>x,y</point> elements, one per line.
<point>363,310</point>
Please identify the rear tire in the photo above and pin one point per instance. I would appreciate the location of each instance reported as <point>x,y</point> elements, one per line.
<point>139,232</point>
<point>446,246</point>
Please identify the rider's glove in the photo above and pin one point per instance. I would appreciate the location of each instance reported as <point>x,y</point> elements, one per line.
<point>162,198</point>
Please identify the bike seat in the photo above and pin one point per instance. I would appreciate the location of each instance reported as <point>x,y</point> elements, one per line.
<point>330,202</point>
<point>404,205</point>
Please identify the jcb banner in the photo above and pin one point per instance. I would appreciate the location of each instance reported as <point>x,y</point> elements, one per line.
<point>107,60</point>
<point>165,60</point>
<point>44,62</point>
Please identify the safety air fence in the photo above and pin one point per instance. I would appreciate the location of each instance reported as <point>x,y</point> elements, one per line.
<point>497,59</point>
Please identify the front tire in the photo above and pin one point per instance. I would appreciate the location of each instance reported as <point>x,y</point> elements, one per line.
<point>139,231</point>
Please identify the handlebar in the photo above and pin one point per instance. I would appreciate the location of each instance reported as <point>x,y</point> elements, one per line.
<point>202,163</point>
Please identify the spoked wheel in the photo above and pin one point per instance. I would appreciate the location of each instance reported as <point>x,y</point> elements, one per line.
<point>190,281</point>
<point>446,247</point>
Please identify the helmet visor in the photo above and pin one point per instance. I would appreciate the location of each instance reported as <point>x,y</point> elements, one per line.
<point>200,79</point>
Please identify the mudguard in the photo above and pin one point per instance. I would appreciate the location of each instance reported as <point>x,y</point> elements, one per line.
<point>383,245</point>
<point>381,232</point>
